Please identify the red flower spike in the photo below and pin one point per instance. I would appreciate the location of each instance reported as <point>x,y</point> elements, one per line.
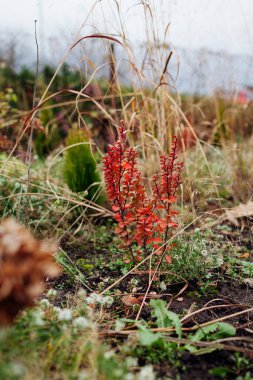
<point>138,216</point>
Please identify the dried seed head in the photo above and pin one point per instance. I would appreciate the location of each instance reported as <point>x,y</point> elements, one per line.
<point>25,263</point>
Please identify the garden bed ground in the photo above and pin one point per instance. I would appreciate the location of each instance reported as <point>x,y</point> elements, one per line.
<point>223,297</point>
<point>196,321</point>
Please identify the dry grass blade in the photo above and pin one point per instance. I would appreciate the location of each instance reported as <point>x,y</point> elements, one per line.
<point>93,206</point>
<point>189,316</point>
<point>217,344</point>
<point>166,66</point>
<point>102,36</point>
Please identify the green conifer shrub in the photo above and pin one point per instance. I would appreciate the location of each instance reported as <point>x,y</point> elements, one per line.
<point>80,169</point>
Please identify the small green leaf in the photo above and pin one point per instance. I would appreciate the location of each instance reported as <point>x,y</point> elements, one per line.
<point>199,351</point>
<point>120,323</point>
<point>147,337</point>
<point>224,330</point>
<point>214,331</point>
<point>205,350</point>
<point>164,317</point>
<point>220,371</point>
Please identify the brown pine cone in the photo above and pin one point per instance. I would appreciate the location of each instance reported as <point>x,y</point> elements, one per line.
<point>25,263</point>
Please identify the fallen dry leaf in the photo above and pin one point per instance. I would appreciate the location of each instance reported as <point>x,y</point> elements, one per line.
<point>129,300</point>
<point>249,282</point>
<point>240,211</point>
<point>245,255</point>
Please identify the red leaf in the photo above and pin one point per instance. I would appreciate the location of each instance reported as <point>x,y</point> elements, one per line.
<point>115,208</point>
<point>126,165</point>
<point>118,230</point>
<point>127,177</point>
<point>172,212</point>
<point>172,224</point>
<point>117,217</point>
<point>168,259</point>
<point>157,239</point>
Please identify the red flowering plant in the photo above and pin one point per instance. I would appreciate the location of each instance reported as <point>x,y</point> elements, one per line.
<point>144,223</point>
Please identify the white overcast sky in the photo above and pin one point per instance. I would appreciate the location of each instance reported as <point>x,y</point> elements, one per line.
<point>219,25</point>
<point>223,28</point>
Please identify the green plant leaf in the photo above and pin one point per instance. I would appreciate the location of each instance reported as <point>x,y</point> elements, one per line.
<point>215,331</point>
<point>147,337</point>
<point>200,351</point>
<point>164,317</point>
<point>121,323</point>
<point>220,371</point>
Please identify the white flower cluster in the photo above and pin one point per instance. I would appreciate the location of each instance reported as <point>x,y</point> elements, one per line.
<point>81,323</point>
<point>147,373</point>
<point>63,315</point>
<point>38,317</point>
<point>44,303</point>
<point>66,315</point>
<point>163,286</point>
<point>204,253</point>
<point>95,298</point>
<point>51,294</point>
<point>81,293</point>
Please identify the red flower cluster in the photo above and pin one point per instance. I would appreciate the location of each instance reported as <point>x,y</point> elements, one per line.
<point>143,222</point>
